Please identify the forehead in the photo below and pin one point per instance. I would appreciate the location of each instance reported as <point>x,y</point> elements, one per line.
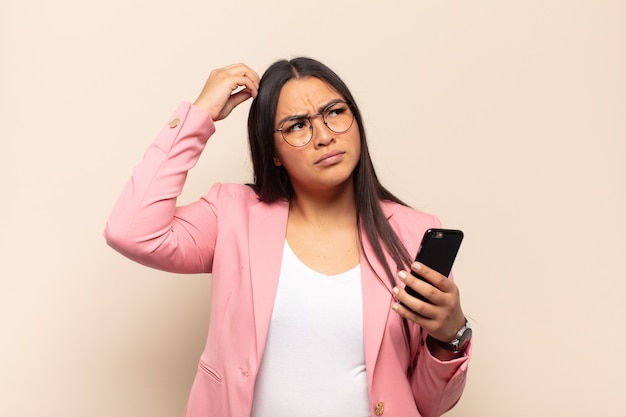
<point>305,95</point>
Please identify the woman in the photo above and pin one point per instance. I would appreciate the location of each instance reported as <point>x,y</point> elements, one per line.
<point>306,315</point>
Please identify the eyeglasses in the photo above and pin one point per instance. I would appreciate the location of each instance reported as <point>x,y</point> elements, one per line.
<point>297,131</point>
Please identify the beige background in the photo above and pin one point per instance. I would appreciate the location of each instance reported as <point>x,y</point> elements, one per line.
<point>507,119</point>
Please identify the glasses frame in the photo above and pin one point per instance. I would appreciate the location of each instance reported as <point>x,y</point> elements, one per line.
<point>334,103</point>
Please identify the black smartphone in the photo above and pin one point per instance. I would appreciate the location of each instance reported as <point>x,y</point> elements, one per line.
<point>438,250</point>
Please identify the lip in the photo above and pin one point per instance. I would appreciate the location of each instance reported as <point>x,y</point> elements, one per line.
<point>330,158</point>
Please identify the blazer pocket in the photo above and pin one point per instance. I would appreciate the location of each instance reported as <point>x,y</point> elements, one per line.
<point>209,371</point>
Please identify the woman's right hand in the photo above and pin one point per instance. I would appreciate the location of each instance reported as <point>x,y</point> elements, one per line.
<point>223,90</point>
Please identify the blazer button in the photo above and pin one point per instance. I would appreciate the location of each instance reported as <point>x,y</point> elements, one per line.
<point>174,123</point>
<point>380,409</point>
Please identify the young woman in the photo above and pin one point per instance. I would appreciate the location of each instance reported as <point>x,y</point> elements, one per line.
<point>307,317</point>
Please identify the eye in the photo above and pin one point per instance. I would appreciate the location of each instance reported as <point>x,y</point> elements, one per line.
<point>336,110</point>
<point>293,126</point>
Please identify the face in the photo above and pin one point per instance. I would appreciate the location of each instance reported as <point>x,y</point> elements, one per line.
<point>327,162</point>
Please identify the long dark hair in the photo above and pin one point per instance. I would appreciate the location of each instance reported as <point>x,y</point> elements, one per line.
<point>272,183</point>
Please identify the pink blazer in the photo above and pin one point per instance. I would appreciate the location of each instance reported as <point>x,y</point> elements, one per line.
<point>239,239</point>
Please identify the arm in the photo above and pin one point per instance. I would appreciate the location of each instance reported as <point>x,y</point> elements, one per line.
<point>439,376</point>
<point>145,224</point>
<point>438,384</point>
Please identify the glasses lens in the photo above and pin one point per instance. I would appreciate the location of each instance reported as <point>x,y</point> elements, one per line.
<point>297,132</point>
<point>338,117</point>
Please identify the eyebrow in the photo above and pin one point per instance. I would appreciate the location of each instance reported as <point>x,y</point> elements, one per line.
<point>304,116</point>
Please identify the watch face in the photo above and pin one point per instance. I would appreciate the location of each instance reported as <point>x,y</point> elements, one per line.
<point>465,338</point>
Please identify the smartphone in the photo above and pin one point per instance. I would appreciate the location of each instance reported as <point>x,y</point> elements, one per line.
<point>438,250</point>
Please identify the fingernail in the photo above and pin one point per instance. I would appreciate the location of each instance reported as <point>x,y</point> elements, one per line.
<point>395,306</point>
<point>402,275</point>
<point>417,266</point>
<point>395,290</point>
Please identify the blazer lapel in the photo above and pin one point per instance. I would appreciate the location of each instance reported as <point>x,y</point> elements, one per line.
<point>268,226</point>
<point>377,301</point>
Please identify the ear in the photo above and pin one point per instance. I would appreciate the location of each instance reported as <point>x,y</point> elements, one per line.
<point>277,161</point>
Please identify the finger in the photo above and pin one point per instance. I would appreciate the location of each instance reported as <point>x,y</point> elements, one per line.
<point>412,315</point>
<point>233,101</point>
<point>435,278</point>
<point>231,77</point>
<point>224,90</point>
<point>433,326</point>
<point>253,76</point>
<point>238,81</point>
<point>428,318</point>
<point>243,70</point>
<point>422,287</point>
<point>238,98</point>
<point>414,305</point>
<point>248,84</point>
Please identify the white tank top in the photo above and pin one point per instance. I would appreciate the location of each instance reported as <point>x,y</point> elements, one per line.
<point>314,360</point>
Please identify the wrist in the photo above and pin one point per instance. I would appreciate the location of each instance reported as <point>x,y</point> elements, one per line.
<point>439,352</point>
<point>456,345</point>
<point>202,106</point>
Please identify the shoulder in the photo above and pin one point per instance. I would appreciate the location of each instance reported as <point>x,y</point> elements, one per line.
<point>395,212</point>
<point>230,197</point>
<point>232,192</point>
<point>409,223</point>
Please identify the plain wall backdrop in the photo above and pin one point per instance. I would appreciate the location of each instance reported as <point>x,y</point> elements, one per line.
<point>507,119</point>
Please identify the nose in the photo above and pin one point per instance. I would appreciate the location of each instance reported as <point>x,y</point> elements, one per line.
<point>322,135</point>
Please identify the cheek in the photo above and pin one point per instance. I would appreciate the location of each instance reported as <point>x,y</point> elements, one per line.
<point>289,160</point>
<point>356,141</point>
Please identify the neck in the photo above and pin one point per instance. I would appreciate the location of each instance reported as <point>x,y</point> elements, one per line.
<point>329,208</point>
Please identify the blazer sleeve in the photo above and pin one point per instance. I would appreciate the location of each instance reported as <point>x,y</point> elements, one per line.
<point>437,385</point>
<point>145,224</point>
<point>440,383</point>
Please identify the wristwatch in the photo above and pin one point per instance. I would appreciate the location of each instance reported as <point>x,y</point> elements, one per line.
<point>459,343</point>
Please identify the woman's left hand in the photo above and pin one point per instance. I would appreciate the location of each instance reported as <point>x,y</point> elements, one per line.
<point>441,319</point>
